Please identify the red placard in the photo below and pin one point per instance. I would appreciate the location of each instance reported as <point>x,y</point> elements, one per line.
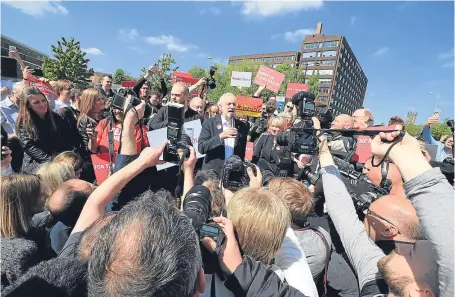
<point>272,79</point>
<point>128,84</point>
<point>363,148</point>
<point>44,87</point>
<point>101,166</point>
<point>187,79</point>
<point>248,106</point>
<point>294,88</point>
<point>249,151</point>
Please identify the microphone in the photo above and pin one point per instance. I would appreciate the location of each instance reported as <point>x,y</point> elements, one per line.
<point>300,96</point>
<point>236,141</point>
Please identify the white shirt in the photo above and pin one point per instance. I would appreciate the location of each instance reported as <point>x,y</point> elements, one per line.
<point>229,143</point>
<point>59,104</point>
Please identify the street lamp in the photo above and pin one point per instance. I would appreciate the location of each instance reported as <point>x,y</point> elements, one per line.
<point>209,58</point>
<point>437,99</point>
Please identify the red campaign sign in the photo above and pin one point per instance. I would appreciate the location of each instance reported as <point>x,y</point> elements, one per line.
<point>249,151</point>
<point>44,87</point>
<point>128,84</point>
<point>363,148</point>
<point>294,88</point>
<point>248,106</point>
<point>101,166</point>
<point>272,79</point>
<point>187,79</point>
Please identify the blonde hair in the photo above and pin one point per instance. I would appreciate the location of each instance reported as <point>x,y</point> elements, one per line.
<point>296,196</point>
<point>53,174</point>
<point>369,114</point>
<point>20,198</point>
<point>87,101</point>
<point>280,122</point>
<point>61,85</point>
<point>260,218</point>
<point>70,158</point>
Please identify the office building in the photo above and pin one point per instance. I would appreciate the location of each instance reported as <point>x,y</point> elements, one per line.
<point>10,69</point>
<point>342,81</point>
<point>271,59</point>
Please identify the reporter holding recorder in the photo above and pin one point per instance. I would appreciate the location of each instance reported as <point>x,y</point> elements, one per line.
<point>223,135</point>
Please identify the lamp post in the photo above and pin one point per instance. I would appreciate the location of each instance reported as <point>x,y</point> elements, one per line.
<point>437,99</point>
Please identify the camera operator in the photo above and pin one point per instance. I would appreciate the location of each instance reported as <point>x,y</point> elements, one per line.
<point>363,118</point>
<point>445,149</point>
<point>340,145</point>
<point>179,94</point>
<point>267,149</point>
<point>404,271</point>
<point>223,136</point>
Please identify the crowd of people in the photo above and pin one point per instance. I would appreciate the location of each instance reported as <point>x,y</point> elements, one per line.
<point>63,234</point>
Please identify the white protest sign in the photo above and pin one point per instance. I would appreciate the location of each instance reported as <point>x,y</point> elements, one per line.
<point>241,79</point>
<point>192,129</point>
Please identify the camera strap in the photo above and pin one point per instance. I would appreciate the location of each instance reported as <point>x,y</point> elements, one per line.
<point>110,137</point>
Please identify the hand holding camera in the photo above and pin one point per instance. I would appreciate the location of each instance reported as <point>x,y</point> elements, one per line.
<point>255,180</point>
<point>228,133</point>
<point>91,132</point>
<point>190,163</point>
<point>150,156</point>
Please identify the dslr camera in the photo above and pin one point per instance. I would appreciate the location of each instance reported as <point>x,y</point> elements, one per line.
<point>197,206</point>
<point>176,139</point>
<point>211,83</point>
<point>119,101</point>
<point>302,139</point>
<point>234,175</point>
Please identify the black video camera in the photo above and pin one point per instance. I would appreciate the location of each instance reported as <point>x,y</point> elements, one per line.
<point>197,206</point>
<point>211,83</point>
<point>450,125</point>
<point>234,175</point>
<point>299,140</point>
<point>176,139</point>
<point>119,101</point>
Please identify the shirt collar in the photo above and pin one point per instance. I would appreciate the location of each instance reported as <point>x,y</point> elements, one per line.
<point>8,102</point>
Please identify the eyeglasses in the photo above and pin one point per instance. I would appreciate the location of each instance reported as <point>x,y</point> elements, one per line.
<point>372,213</point>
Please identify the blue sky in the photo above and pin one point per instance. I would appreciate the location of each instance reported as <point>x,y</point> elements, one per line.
<point>405,48</point>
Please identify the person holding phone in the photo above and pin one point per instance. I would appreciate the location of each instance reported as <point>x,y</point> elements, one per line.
<point>445,149</point>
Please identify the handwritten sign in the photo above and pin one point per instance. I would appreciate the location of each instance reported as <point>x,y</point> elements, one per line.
<point>248,106</point>
<point>101,166</point>
<point>249,151</point>
<point>270,78</point>
<point>187,79</point>
<point>363,148</point>
<point>241,79</point>
<point>294,88</point>
<point>44,87</point>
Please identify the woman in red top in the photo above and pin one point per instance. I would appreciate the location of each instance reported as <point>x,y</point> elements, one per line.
<point>99,141</point>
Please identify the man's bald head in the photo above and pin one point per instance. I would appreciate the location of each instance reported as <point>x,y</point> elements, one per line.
<point>343,121</point>
<point>403,221</point>
<point>66,203</point>
<point>179,93</point>
<point>197,104</point>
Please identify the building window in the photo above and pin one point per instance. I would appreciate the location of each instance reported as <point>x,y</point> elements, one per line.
<point>324,90</point>
<point>329,53</point>
<point>309,63</point>
<point>309,55</point>
<point>311,45</point>
<point>333,43</point>
<point>325,81</point>
<point>326,72</point>
<point>328,63</point>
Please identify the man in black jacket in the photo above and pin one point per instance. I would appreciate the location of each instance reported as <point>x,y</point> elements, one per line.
<point>223,135</point>
<point>179,94</point>
<point>106,87</point>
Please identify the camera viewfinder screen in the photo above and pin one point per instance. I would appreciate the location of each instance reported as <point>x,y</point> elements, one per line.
<point>309,105</point>
<point>306,139</point>
<point>209,229</point>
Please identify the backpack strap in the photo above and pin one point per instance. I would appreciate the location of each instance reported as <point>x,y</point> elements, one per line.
<point>328,252</point>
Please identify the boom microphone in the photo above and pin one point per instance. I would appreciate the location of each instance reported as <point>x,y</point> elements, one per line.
<point>302,95</point>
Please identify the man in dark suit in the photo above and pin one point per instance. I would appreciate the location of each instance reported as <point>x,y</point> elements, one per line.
<point>222,136</point>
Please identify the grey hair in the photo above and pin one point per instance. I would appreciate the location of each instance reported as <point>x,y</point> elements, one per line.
<point>17,86</point>
<point>149,249</point>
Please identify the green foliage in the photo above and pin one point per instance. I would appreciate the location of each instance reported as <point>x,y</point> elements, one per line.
<point>413,129</point>
<point>69,63</point>
<point>313,84</point>
<point>440,129</point>
<point>197,72</point>
<point>293,75</point>
<point>166,63</point>
<point>121,75</point>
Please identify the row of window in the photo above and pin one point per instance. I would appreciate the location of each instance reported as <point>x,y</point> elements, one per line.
<point>352,84</point>
<point>270,59</point>
<point>316,71</point>
<point>320,63</point>
<point>319,54</point>
<point>333,43</point>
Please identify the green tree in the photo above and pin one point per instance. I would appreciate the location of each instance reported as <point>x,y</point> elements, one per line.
<point>166,63</point>
<point>440,129</point>
<point>293,75</point>
<point>121,75</point>
<point>197,72</point>
<point>69,63</point>
<point>313,84</point>
<point>413,129</point>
